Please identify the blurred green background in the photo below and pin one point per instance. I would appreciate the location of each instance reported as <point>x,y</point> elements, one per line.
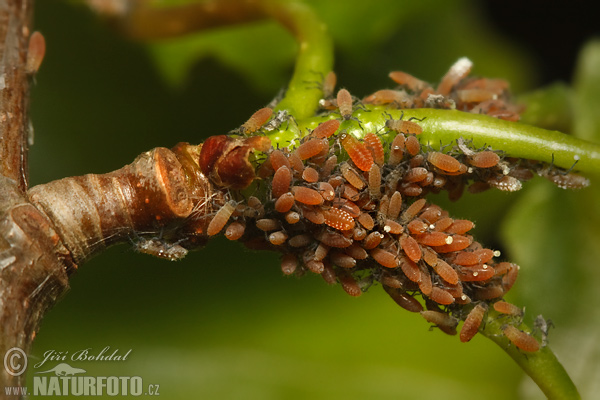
<point>223,323</point>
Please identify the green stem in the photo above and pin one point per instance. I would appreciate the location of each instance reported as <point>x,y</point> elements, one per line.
<point>542,366</point>
<point>314,60</point>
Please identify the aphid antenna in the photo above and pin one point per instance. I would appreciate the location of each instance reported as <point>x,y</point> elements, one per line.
<point>415,118</point>
<point>567,172</point>
<point>273,103</point>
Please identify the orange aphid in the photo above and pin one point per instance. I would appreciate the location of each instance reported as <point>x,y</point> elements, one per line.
<point>310,175</point>
<point>415,174</point>
<point>441,296</point>
<point>359,153</point>
<point>296,163</point>
<point>327,191</point>
<point>397,149</point>
<point>412,83</point>
<point>431,214</point>
<point>458,71</point>
<point>442,224</point>
<point>473,322</point>
<point>278,238</point>
<point>374,144</point>
<point>412,145</point>
<point>352,176</point>
<point>350,285</point>
<point>326,129</point>
<point>410,247</point>
<point>281,181</point>
<point>400,126</point>
<point>384,258</point>
<point>430,257</point>
<point>410,269</point>
<point>278,159</point>
<point>375,181</point>
<point>434,239</point>
<point>484,159</point>
<point>344,102</point>
<point>466,258</point>
<point>350,193</point>
<point>474,95</point>
<point>315,216</point>
<point>366,220</point>
<point>391,226</point>
<point>460,226</point>
<point>359,233</point>
<point>220,218</point>
<point>329,84</point>
<point>356,252</point>
<point>476,273</point>
<point>292,217</point>
<point>510,278</point>
<point>508,308</point>
<point>522,340</point>
<point>445,322</point>
<point>445,271</point>
<point>372,240</point>
<point>35,52</point>
<point>342,260</point>
<point>267,224</point>
<point>459,242</point>
<point>307,195</point>
<point>395,205</point>
<point>235,230</point>
<point>386,96</point>
<point>484,255</point>
<point>289,263</point>
<point>333,239</point>
<point>284,203</point>
<point>338,219</point>
<point>257,120</point>
<point>413,210</point>
<point>404,300</point>
<point>310,148</point>
<point>416,227</point>
<point>425,284</point>
<point>443,161</point>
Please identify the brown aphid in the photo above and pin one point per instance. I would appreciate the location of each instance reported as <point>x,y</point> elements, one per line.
<point>326,129</point>
<point>566,181</point>
<point>391,226</point>
<point>399,98</point>
<point>458,71</point>
<point>476,273</point>
<point>278,238</point>
<point>366,221</point>
<point>412,145</point>
<point>412,210</point>
<point>522,340</point>
<point>333,239</point>
<point>220,218</point>
<point>347,206</point>
<point>292,217</point>
<point>410,247</point>
<point>374,143</point>
<point>395,206</point>
<point>434,239</point>
<point>256,121</point>
<point>474,95</point>
<point>404,300</point>
<point>508,308</point>
<point>445,322</point>
<point>412,83</point>
<point>235,230</point>
<point>350,285</point>
<point>428,179</point>
<point>432,214</point>
<point>411,189</point>
<point>445,271</point>
<point>311,148</point>
<point>484,159</point>
<point>407,127</point>
<point>296,163</point>
<point>352,176</point>
<point>372,240</point>
<point>488,292</point>
<point>255,204</point>
<point>281,182</point>
<point>315,266</point>
<point>425,283</point>
<point>443,161</point>
<point>328,273</point>
<point>344,103</point>
<point>430,257</point>
<point>329,166</point>
<point>338,219</point>
<point>327,191</point>
<point>329,84</point>
<point>342,260</point>
<point>159,248</point>
<point>415,174</point>
<point>375,181</point>
<point>35,52</point>
<point>397,149</point>
<point>284,203</point>
<point>473,322</point>
<point>459,242</point>
<point>460,226</point>
<point>310,175</point>
<point>278,160</point>
<point>441,296</point>
<point>321,252</point>
<point>289,263</point>
<point>356,252</point>
<point>416,227</point>
<point>314,215</point>
<point>506,183</point>
<point>351,193</point>
<point>307,196</point>
<point>267,224</point>
<point>359,233</point>
<point>410,269</point>
<point>384,258</point>
<point>442,224</point>
<point>301,240</point>
<point>358,152</point>
<point>510,278</point>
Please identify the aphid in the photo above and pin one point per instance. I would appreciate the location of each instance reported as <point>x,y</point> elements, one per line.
<point>329,84</point>
<point>445,271</point>
<point>458,71</point>
<point>426,286</point>
<point>415,174</point>
<point>359,153</point>
<point>342,260</point>
<point>431,214</point>
<point>307,195</point>
<point>441,296</point>
<point>351,193</point>
<point>352,176</point>
<point>256,121</point>
<point>292,217</point>
<point>296,163</point>
<point>484,255</point>
<point>473,322</point>
<point>289,263</point>
<point>384,258</point>
<point>356,252</point>
<point>522,340</point>
<point>278,238</point>
<point>372,240</point>
<point>460,226</point>
<point>267,224</point>
<point>506,183</point>
<point>410,269</point>
<point>375,181</point>
<point>476,273</point>
<point>327,191</point>
<point>443,161</point>
<point>315,266</point>
<point>400,126</point>
<point>395,206</point>
<point>278,160</point>
<point>399,98</point>
<point>459,242</point>
<point>330,164</point>
<point>310,175</point>
<point>350,285</point>
<point>338,219</point>
<point>510,278</point>
<point>220,218</point>
<point>508,308</point>
<point>442,224</point>
<point>466,258</point>
<point>35,53</point>
<point>488,292</point>
<point>314,215</point>
<point>417,227</point>
<point>321,252</point>
<point>328,274</point>
<point>544,326</point>
<point>347,206</point>
<point>397,149</point>
<point>430,257</point>
<point>235,230</point>
<point>359,233</point>
<point>567,181</point>
<point>391,226</point>
<point>333,239</point>
<point>434,239</point>
<point>344,102</point>
<point>366,221</point>
<point>410,247</point>
<point>281,181</point>
<point>311,148</point>
<point>412,83</point>
<point>373,143</point>
<point>301,240</point>
<point>445,322</point>
<point>158,248</point>
<point>413,210</point>
<point>326,129</point>
<point>412,145</point>
<point>474,95</point>
<point>484,159</point>
<point>284,203</point>
<point>404,300</point>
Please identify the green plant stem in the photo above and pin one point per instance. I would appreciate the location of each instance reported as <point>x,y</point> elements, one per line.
<point>542,366</point>
<point>314,60</point>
